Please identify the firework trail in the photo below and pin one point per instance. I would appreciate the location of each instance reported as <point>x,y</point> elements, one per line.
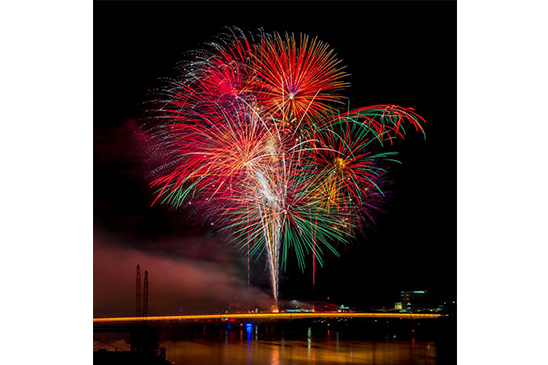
<point>254,131</point>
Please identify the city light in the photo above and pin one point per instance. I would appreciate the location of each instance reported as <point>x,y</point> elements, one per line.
<point>272,316</point>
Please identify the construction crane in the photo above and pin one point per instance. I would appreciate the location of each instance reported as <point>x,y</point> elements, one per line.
<point>145,297</point>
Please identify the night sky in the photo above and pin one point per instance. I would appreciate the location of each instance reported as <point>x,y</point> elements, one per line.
<point>396,53</point>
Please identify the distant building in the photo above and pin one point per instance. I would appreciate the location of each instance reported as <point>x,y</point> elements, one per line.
<point>398,306</point>
<point>297,307</point>
<point>413,301</point>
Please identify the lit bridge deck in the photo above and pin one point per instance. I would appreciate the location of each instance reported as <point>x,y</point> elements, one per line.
<point>273,316</point>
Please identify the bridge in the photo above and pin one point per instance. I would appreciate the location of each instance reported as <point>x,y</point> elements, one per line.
<point>272,316</point>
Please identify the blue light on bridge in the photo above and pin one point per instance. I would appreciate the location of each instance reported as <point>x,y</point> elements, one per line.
<point>248,330</point>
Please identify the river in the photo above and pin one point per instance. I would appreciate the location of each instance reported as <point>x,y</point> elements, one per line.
<point>245,347</point>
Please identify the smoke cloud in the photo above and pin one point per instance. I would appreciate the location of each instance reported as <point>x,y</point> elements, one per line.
<point>177,284</point>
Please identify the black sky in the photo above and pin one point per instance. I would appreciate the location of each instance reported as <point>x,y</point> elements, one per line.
<point>396,52</point>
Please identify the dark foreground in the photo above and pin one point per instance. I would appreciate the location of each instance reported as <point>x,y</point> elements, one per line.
<point>428,342</point>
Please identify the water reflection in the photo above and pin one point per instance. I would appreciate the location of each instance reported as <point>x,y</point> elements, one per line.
<point>238,347</point>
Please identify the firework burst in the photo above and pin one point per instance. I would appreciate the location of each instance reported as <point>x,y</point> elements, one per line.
<point>253,130</point>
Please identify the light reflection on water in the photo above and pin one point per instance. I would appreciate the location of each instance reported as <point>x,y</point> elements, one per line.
<point>242,347</point>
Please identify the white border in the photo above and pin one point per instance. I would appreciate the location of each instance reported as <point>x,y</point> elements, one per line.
<point>502,182</point>
<point>47,221</point>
